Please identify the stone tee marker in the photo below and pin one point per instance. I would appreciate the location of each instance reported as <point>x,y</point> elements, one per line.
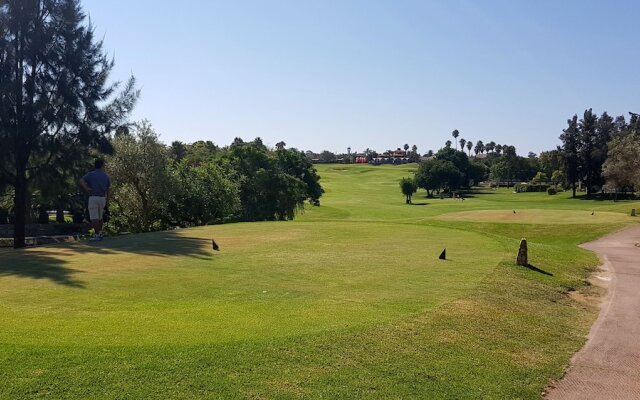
<point>633,212</point>
<point>523,256</point>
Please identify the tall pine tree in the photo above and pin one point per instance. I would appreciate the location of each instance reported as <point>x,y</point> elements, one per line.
<point>55,99</point>
<point>569,139</point>
<point>587,137</point>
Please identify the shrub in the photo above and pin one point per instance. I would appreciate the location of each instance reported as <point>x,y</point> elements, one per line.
<point>551,191</point>
<point>530,187</point>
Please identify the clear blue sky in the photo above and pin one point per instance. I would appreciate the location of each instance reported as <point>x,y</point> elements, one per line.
<point>335,73</point>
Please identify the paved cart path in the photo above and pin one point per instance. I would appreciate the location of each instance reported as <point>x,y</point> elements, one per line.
<point>608,366</point>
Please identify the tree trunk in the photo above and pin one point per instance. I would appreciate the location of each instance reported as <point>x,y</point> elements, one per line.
<point>20,210</point>
<point>60,213</point>
<point>573,185</point>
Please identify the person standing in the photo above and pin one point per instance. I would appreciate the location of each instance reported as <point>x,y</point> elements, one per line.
<point>96,183</point>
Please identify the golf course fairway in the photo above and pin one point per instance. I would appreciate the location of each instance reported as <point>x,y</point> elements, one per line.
<point>347,301</point>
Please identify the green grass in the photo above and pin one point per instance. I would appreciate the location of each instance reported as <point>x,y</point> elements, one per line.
<point>348,301</point>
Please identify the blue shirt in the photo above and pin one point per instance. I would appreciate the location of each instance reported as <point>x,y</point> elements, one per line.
<point>98,181</point>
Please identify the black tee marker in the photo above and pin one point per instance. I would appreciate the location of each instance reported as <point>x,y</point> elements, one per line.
<point>443,255</point>
<point>214,245</point>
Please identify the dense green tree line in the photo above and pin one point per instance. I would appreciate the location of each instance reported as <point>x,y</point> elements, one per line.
<point>587,143</point>
<point>156,186</point>
<point>450,169</point>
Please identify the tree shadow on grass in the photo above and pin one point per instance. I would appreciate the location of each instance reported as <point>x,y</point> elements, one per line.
<point>531,267</point>
<point>31,263</point>
<point>599,197</point>
<point>45,263</point>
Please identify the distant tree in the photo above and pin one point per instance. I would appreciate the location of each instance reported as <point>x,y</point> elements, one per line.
<point>178,150</point>
<point>327,156</point>
<point>406,147</point>
<point>509,151</point>
<point>462,143</point>
<point>551,161</point>
<point>477,172</point>
<point>558,177</point>
<point>502,171</point>
<point>408,187</point>
<point>532,155</point>
<point>491,146</point>
<point>450,169</point>
<point>280,145</point>
<point>498,149</point>
<point>569,140</point>
<point>447,143</point>
<point>202,152</point>
<point>455,135</point>
<point>414,156</point>
<point>56,103</point>
<point>622,166</point>
<point>587,131</point>
<point>469,146</point>
<point>605,131</point>
<point>439,174</point>
<point>540,177</point>
<point>430,153</point>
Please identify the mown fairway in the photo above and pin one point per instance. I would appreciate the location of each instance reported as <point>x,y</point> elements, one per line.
<point>348,301</point>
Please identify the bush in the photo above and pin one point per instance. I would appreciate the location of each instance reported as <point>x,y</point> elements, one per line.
<point>530,187</point>
<point>551,191</point>
<point>4,216</point>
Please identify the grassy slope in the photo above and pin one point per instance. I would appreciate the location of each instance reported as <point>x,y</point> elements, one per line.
<point>348,301</point>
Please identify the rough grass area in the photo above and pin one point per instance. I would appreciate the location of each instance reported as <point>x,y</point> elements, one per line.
<point>348,301</point>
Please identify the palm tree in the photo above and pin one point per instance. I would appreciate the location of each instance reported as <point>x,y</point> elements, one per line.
<point>469,146</point>
<point>406,147</point>
<point>490,146</point>
<point>455,135</point>
<point>498,148</point>
<point>478,147</point>
<point>448,144</point>
<point>280,145</point>
<point>414,149</point>
<point>462,143</point>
